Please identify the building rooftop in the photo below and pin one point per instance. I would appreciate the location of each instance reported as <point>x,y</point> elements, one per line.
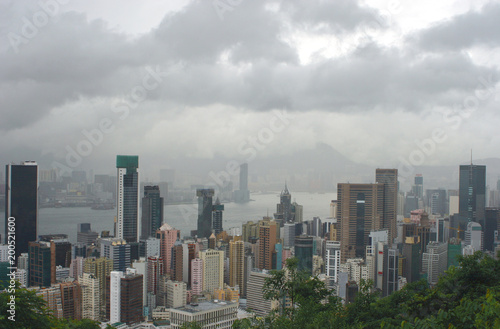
<point>205,306</point>
<point>166,227</point>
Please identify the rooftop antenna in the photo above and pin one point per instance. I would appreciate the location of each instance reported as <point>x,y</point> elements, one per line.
<point>471,157</point>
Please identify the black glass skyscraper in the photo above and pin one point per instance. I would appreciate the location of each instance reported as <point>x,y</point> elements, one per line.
<point>127,196</point>
<point>389,177</point>
<point>205,212</point>
<point>152,211</point>
<point>472,194</point>
<point>21,203</point>
<point>304,252</point>
<point>217,208</point>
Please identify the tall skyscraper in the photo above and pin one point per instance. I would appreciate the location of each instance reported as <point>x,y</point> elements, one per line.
<point>177,268</point>
<point>21,203</point>
<point>288,235</point>
<point>418,188</point>
<point>127,195</point>
<point>100,268</point>
<point>391,267</point>
<point>284,208</point>
<point>389,177</point>
<point>267,242</point>
<point>435,261</point>
<point>217,210</point>
<point>152,212</point>
<point>90,296</point>
<point>332,261</point>
<point>196,276</point>
<point>242,195</point>
<point>205,212</point>
<point>125,297</point>
<point>114,297</point>
<point>42,264</point>
<point>360,211</point>
<point>213,269</point>
<point>167,235</point>
<point>154,272</point>
<point>255,297</point>
<point>237,264</point>
<point>71,297</point>
<point>472,194</point>
<point>436,201</point>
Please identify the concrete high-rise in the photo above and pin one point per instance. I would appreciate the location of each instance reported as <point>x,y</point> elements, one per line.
<point>167,235</point>
<point>389,177</point>
<point>217,210</point>
<point>205,207</point>
<point>154,272</point>
<point>237,264</point>
<point>435,261</point>
<point>21,204</point>
<point>472,194</point>
<point>360,211</point>
<point>152,212</point>
<point>90,296</point>
<point>176,294</point>
<point>474,236</point>
<point>213,269</point>
<point>127,198</point>
<point>196,276</point>
<point>114,297</point>
<point>125,297</point>
<point>255,297</point>
<point>100,268</point>
<point>71,297</point>
<point>332,261</point>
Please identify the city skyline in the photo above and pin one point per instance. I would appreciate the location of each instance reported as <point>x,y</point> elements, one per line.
<point>341,149</point>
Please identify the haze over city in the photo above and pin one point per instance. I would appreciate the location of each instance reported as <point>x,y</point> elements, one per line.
<point>373,81</point>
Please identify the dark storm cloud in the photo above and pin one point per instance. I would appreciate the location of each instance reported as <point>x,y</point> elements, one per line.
<point>470,29</point>
<point>243,60</point>
<point>197,34</point>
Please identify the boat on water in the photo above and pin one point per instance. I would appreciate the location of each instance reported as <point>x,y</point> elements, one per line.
<point>103,206</point>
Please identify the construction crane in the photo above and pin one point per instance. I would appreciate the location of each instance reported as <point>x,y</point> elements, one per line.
<point>458,231</point>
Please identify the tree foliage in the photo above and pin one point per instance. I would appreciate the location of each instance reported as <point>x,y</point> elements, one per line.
<point>467,296</point>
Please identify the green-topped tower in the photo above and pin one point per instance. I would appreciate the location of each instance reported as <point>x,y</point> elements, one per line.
<point>127,198</point>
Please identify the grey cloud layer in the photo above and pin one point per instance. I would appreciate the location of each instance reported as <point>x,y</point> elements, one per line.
<point>245,61</point>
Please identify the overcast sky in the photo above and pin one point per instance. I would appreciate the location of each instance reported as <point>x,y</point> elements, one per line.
<point>176,78</point>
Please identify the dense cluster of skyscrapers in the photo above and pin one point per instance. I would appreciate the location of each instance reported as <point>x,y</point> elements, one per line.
<point>146,271</point>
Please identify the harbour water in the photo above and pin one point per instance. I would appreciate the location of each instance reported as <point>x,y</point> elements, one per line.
<point>182,217</point>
